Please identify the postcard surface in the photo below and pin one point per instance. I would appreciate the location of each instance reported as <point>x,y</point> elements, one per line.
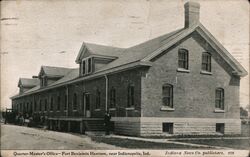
<point>125,78</point>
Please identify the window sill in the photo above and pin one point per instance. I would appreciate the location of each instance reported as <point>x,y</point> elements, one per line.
<point>74,110</point>
<point>183,70</point>
<point>57,111</point>
<point>112,109</point>
<point>167,109</point>
<point>206,72</point>
<point>98,109</point>
<point>130,108</point>
<point>65,110</point>
<point>219,111</point>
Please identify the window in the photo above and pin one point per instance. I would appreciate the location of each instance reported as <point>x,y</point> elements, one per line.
<point>98,99</point>
<point>31,107</point>
<point>27,106</point>
<point>219,98</point>
<point>43,81</point>
<point>112,98</point>
<point>83,67</point>
<point>40,105</point>
<point>131,96</point>
<point>35,107</point>
<point>51,104</point>
<point>220,127</point>
<point>167,128</point>
<point>89,65</point>
<point>58,103</point>
<point>65,102</point>
<point>87,99</point>
<point>183,58</point>
<point>167,95</point>
<point>206,62</point>
<point>75,102</point>
<point>45,105</point>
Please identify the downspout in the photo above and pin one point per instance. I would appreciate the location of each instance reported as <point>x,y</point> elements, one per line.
<point>106,100</point>
<point>67,102</point>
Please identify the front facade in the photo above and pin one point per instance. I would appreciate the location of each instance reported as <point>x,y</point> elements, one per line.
<point>184,82</point>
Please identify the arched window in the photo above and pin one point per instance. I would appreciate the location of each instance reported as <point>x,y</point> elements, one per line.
<point>206,62</point>
<point>131,96</point>
<point>112,98</point>
<point>167,95</point>
<point>98,99</point>
<point>183,58</point>
<point>219,98</point>
<point>75,102</point>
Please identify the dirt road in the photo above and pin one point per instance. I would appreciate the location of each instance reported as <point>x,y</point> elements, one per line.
<point>19,137</point>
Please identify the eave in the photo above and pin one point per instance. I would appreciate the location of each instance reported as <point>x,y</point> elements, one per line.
<point>97,74</point>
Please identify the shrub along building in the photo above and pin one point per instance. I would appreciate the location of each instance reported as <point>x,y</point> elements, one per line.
<point>183,82</point>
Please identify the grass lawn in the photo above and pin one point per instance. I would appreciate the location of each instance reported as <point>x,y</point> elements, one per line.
<point>231,143</point>
<point>135,144</point>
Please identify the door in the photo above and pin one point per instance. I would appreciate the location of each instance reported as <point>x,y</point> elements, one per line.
<point>86,105</point>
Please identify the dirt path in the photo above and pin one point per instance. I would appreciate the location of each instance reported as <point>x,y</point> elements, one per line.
<point>19,137</point>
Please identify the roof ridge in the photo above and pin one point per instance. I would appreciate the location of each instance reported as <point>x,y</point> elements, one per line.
<point>48,66</point>
<point>166,34</point>
<point>86,44</point>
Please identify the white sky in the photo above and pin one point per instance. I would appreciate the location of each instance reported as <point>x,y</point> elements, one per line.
<point>50,32</point>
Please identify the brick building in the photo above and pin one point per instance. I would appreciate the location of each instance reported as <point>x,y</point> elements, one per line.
<point>183,82</point>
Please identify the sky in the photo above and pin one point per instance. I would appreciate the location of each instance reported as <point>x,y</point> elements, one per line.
<point>50,32</point>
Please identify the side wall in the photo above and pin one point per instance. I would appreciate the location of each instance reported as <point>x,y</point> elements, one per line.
<point>193,92</point>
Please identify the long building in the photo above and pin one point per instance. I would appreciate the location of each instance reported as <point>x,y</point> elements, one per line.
<point>183,82</point>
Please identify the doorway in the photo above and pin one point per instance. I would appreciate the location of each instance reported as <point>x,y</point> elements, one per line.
<point>86,105</point>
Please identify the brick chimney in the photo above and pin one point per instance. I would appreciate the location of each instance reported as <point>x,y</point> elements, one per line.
<point>192,14</point>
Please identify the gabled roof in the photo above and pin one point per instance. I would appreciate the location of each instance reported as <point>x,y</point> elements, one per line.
<point>28,82</point>
<point>101,50</point>
<point>238,69</point>
<point>71,75</point>
<point>54,71</point>
<point>138,52</point>
<point>136,56</point>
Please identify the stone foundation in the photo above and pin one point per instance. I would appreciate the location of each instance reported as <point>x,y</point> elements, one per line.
<point>153,126</point>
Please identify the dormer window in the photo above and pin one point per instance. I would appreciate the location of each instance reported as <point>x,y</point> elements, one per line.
<point>83,67</point>
<point>43,81</point>
<point>89,65</point>
<point>86,66</point>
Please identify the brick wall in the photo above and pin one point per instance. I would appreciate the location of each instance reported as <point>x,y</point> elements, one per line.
<point>120,82</point>
<point>194,93</point>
